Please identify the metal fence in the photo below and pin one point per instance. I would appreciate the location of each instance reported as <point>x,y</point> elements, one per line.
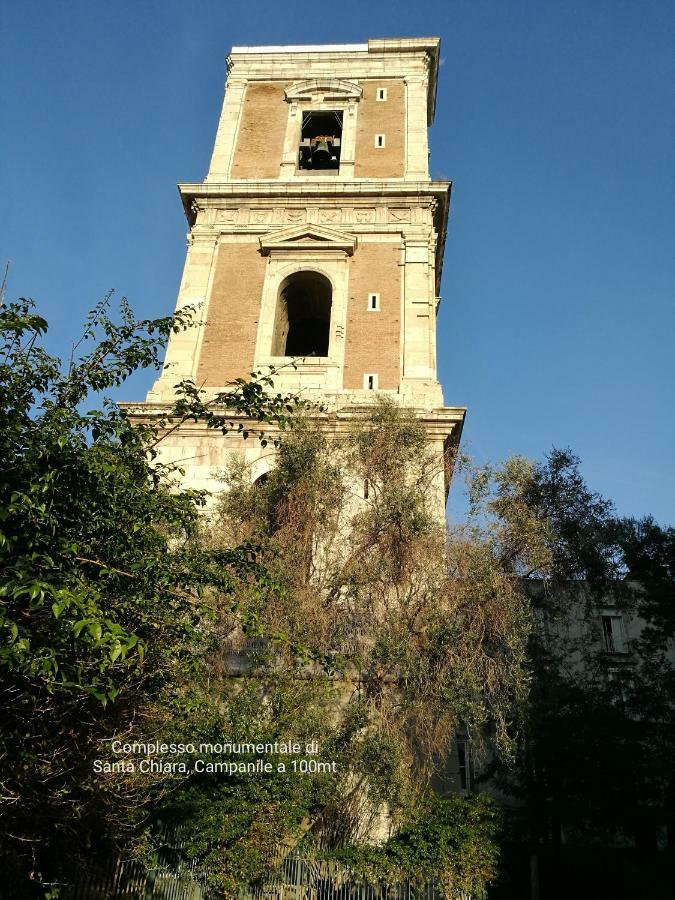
<point>301,878</point>
<point>131,880</point>
<point>296,878</point>
<point>173,878</point>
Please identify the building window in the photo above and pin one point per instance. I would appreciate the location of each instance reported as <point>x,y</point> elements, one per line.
<point>464,765</point>
<point>379,141</point>
<point>370,381</point>
<point>381,93</point>
<point>302,319</point>
<point>320,141</point>
<point>613,633</point>
<point>620,680</point>
<point>373,302</point>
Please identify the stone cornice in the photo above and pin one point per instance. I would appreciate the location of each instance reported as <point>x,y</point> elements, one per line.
<point>410,191</point>
<point>439,422</point>
<point>330,187</point>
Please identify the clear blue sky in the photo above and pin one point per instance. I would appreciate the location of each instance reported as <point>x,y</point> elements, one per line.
<point>555,121</point>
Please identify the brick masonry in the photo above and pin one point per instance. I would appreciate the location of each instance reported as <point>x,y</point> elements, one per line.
<point>380,117</point>
<point>373,339</point>
<point>232,319</point>
<point>260,141</point>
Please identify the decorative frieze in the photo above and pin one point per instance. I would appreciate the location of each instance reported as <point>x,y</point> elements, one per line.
<point>227,216</point>
<point>244,217</point>
<point>364,216</point>
<point>294,216</point>
<point>330,216</point>
<point>398,214</point>
<point>261,216</point>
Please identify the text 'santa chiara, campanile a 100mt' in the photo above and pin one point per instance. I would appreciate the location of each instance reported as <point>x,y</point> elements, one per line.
<point>317,233</point>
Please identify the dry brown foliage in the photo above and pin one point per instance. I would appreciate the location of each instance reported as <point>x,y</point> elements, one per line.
<point>426,627</point>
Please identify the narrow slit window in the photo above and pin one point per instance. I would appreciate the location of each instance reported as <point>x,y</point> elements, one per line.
<point>379,141</point>
<point>381,93</point>
<point>464,765</point>
<point>370,381</point>
<point>612,634</point>
<point>373,302</point>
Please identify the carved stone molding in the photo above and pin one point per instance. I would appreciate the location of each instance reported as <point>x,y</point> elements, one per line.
<point>294,216</point>
<point>364,216</point>
<point>330,215</point>
<point>261,216</point>
<point>327,88</point>
<point>305,238</point>
<point>383,215</point>
<point>398,214</point>
<point>227,216</point>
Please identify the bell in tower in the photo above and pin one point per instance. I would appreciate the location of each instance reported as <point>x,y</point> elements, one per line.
<point>318,150</point>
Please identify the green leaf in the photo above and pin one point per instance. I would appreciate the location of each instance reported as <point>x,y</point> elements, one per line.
<point>79,625</point>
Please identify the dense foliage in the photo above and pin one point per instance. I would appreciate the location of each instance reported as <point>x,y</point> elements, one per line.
<point>103,592</point>
<point>595,759</point>
<point>122,608</point>
<point>407,636</point>
<point>452,841</point>
<point>326,602</point>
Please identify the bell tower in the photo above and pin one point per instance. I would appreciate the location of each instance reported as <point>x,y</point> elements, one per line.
<point>317,234</point>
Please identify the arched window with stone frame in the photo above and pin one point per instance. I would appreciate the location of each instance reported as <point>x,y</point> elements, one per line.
<point>303,316</point>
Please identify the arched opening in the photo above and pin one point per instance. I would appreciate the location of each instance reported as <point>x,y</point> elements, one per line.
<point>302,320</point>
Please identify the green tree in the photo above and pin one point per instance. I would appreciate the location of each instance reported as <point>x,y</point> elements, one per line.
<point>596,750</point>
<point>103,592</point>
<point>302,608</point>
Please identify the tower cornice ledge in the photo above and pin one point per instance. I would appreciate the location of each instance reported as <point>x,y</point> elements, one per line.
<point>440,421</point>
<point>410,191</point>
<point>309,187</point>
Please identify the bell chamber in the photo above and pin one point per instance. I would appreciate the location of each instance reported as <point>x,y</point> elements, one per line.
<point>320,140</point>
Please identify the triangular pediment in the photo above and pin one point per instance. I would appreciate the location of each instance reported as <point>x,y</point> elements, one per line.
<point>307,237</point>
